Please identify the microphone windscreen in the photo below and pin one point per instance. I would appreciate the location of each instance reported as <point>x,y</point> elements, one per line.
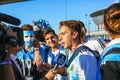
<point>60,59</point>
<point>9,19</point>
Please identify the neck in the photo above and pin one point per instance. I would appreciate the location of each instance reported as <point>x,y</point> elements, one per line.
<point>114,36</point>
<point>75,45</point>
<point>54,48</point>
<point>27,48</point>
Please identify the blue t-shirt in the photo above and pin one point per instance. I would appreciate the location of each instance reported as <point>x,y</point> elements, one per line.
<point>23,55</point>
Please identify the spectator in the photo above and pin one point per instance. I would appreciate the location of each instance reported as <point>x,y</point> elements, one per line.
<point>106,41</point>
<point>43,45</point>
<point>27,53</point>
<point>109,66</point>
<point>93,44</point>
<point>52,41</point>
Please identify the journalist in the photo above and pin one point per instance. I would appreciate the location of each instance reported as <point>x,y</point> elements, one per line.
<point>6,71</point>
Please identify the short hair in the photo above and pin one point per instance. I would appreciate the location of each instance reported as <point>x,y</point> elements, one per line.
<point>27,27</point>
<point>48,30</point>
<point>73,25</point>
<point>112,18</point>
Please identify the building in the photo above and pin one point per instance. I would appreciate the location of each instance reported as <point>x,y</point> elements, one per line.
<point>98,19</point>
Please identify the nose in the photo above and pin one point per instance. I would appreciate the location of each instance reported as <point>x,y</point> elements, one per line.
<point>28,38</point>
<point>60,39</point>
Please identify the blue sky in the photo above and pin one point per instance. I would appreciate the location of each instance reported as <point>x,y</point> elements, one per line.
<point>54,11</point>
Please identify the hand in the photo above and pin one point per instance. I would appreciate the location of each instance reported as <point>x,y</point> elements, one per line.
<point>51,74</point>
<point>38,59</point>
<point>44,67</point>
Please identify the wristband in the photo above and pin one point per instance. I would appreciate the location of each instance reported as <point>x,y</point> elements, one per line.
<point>5,63</point>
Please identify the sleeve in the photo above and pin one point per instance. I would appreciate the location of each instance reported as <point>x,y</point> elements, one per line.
<point>20,55</point>
<point>89,65</point>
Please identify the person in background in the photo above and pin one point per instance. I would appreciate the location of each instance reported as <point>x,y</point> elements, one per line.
<point>84,65</point>
<point>106,41</point>
<point>109,64</point>
<point>29,51</point>
<point>52,41</point>
<point>43,45</point>
<point>93,44</point>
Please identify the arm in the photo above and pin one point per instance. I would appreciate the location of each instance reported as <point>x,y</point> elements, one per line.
<point>6,71</point>
<point>38,59</point>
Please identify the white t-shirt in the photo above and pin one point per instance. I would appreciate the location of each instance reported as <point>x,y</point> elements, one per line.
<point>95,45</point>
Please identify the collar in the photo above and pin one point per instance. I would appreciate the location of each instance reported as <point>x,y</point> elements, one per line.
<point>115,41</point>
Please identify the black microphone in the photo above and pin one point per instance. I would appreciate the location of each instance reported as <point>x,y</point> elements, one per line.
<point>9,19</point>
<point>59,60</point>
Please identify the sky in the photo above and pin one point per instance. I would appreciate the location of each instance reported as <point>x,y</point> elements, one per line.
<point>55,11</point>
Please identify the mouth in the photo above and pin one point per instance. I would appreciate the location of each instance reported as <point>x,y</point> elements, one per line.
<point>62,43</point>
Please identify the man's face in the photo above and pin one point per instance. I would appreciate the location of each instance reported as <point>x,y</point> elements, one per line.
<point>28,37</point>
<point>65,37</point>
<point>51,39</point>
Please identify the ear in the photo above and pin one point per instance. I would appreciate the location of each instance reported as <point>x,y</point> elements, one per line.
<point>75,34</point>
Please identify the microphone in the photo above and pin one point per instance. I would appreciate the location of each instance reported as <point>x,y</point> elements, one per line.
<point>9,19</point>
<point>59,60</point>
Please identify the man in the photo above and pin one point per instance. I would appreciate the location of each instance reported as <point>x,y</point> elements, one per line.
<point>6,71</point>
<point>51,39</point>
<point>84,65</point>
<point>26,56</point>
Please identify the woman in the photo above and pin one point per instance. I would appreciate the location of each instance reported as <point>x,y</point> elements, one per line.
<point>109,66</point>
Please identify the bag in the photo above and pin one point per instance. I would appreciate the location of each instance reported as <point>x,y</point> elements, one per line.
<point>81,49</point>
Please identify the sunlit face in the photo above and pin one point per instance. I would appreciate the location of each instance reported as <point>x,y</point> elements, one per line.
<point>28,38</point>
<point>51,39</point>
<point>65,37</point>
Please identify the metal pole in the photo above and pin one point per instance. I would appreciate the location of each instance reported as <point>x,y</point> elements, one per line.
<point>65,9</point>
<point>86,20</point>
<point>89,27</point>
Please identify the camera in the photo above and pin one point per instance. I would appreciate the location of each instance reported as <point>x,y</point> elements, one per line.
<point>4,39</point>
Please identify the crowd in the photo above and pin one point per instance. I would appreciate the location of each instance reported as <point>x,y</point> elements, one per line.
<point>37,59</point>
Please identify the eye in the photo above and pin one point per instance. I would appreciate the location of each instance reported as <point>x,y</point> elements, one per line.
<point>63,33</point>
<point>31,35</point>
<point>26,36</point>
<point>52,37</point>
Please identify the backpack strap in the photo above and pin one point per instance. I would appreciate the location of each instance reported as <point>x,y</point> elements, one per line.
<point>76,52</point>
<point>81,49</point>
<point>101,43</point>
<point>112,55</point>
<point>95,53</point>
